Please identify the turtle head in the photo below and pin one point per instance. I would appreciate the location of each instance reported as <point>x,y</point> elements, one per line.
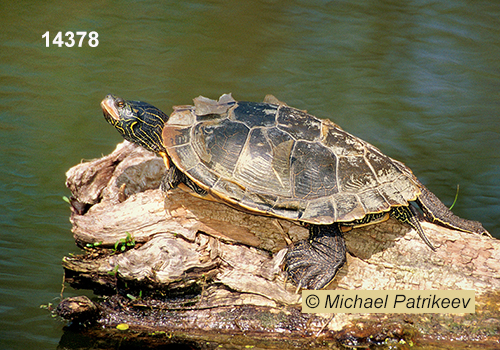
<point>136,121</point>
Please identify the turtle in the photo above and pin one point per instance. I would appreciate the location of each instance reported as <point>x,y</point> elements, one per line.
<point>271,159</point>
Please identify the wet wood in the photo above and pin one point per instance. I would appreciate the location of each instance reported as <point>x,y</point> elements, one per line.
<point>182,263</point>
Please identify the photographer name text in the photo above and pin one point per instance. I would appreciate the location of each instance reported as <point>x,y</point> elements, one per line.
<point>388,301</point>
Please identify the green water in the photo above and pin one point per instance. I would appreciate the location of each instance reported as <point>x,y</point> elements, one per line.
<point>418,79</point>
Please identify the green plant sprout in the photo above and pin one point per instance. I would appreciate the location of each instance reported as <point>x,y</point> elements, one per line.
<point>122,244</point>
<point>456,197</point>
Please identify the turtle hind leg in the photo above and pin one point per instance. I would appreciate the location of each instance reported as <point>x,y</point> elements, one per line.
<point>408,215</point>
<point>313,263</point>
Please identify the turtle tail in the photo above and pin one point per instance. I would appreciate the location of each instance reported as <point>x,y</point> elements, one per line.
<point>435,211</point>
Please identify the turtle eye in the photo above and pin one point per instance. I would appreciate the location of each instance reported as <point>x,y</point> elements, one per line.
<point>119,103</point>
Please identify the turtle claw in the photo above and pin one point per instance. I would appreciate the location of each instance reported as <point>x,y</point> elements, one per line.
<point>313,263</point>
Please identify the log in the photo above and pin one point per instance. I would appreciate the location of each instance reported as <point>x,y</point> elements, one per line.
<point>181,264</point>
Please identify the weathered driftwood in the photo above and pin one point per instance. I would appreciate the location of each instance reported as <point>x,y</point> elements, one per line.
<point>192,265</point>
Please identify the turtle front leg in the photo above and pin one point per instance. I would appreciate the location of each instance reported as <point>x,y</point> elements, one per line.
<point>313,263</point>
<point>171,179</point>
<point>174,178</point>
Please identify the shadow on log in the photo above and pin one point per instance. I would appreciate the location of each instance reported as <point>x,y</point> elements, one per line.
<point>182,266</point>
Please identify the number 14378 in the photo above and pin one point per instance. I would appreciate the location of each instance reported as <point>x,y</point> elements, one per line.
<point>71,39</point>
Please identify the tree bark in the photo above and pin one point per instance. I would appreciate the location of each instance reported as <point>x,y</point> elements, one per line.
<point>184,264</point>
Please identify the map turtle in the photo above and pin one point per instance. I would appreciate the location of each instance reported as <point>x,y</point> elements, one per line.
<point>271,159</point>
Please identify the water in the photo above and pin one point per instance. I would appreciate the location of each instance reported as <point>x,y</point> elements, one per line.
<point>420,80</point>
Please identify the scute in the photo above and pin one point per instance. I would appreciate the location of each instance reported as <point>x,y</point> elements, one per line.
<point>174,136</point>
<point>259,168</point>
<point>383,169</point>
<point>321,211</point>
<point>314,170</point>
<point>185,155</point>
<point>355,175</point>
<point>279,161</point>
<point>182,116</point>
<point>255,114</point>
<point>391,195</point>
<point>373,201</point>
<point>349,207</point>
<point>218,145</point>
<point>298,124</point>
<point>206,106</point>
<point>340,142</point>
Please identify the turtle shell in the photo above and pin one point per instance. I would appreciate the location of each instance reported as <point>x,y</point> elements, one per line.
<point>275,160</point>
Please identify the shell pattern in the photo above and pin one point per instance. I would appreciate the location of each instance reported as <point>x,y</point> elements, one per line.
<point>276,160</point>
